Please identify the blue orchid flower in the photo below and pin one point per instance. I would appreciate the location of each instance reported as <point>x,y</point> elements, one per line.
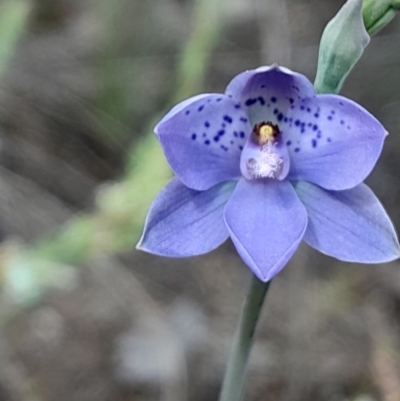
<point>269,164</point>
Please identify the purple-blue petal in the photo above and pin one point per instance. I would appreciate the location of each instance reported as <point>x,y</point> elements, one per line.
<point>266,222</point>
<point>202,139</point>
<point>349,225</point>
<point>335,143</point>
<point>268,92</point>
<point>181,105</point>
<point>184,222</point>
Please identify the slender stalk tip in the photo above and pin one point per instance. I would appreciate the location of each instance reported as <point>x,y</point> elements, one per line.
<point>232,386</point>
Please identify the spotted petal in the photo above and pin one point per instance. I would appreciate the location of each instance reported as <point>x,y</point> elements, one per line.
<point>332,141</point>
<point>184,222</point>
<point>267,92</point>
<point>349,225</point>
<point>180,106</point>
<point>202,139</point>
<point>266,222</point>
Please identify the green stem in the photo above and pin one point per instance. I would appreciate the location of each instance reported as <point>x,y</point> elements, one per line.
<point>232,386</point>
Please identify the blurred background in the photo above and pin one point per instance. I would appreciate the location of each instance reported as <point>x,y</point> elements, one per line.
<point>84,316</point>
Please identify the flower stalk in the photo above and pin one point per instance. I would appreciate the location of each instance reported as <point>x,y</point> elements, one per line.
<point>232,386</point>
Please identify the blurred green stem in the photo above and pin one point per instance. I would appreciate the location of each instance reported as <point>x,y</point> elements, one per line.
<point>197,52</point>
<point>13,19</point>
<point>234,379</point>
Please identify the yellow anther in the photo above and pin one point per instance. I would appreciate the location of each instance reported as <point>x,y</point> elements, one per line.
<point>266,132</point>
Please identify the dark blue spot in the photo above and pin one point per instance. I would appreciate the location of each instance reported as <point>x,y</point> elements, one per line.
<point>224,148</point>
<point>297,123</point>
<point>219,99</point>
<point>341,122</point>
<point>241,147</point>
<point>297,149</point>
<point>262,86</point>
<point>273,99</point>
<point>316,115</point>
<point>207,124</point>
<point>285,119</point>
<point>207,142</point>
<point>276,111</point>
<point>221,132</point>
<point>235,134</point>
<point>244,119</point>
<point>308,109</point>
<point>216,138</point>
<point>296,87</point>
<point>187,112</point>
<point>329,139</point>
<point>288,143</point>
<point>309,125</point>
<point>280,117</point>
<point>315,127</point>
<point>242,134</point>
<point>319,135</point>
<point>194,136</point>
<point>333,112</point>
<point>228,119</point>
<point>341,103</point>
<point>250,102</point>
<point>209,100</point>
<point>200,108</point>
<point>237,106</point>
<point>329,117</point>
<point>302,107</point>
<point>261,100</point>
<point>291,100</point>
<point>314,143</point>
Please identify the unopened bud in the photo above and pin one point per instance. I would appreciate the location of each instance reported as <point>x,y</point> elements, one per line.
<point>342,44</point>
<point>378,13</point>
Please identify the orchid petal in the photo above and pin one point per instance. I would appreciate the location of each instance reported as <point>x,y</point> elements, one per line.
<point>266,222</point>
<point>238,83</point>
<point>329,135</point>
<point>182,105</point>
<point>267,92</point>
<point>349,225</point>
<point>202,139</point>
<point>184,222</point>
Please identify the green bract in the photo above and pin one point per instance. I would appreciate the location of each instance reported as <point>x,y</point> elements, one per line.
<point>378,14</point>
<point>342,44</point>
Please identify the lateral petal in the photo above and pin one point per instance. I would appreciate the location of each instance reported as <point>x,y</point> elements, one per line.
<point>349,225</point>
<point>185,222</point>
<point>332,141</point>
<point>202,139</point>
